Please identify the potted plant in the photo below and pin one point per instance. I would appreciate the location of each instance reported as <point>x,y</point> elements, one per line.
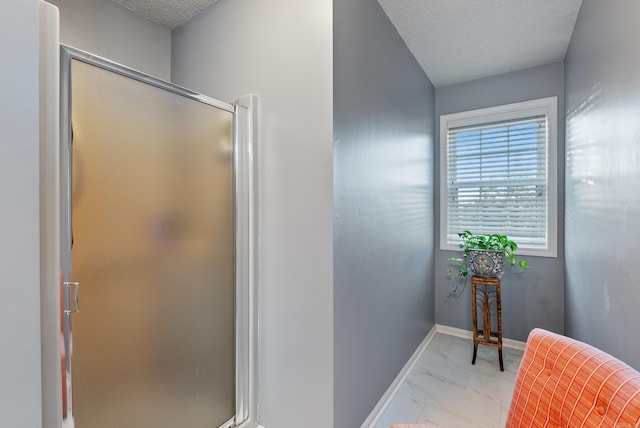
<point>484,255</point>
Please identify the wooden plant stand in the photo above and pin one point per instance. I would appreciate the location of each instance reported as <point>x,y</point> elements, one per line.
<point>485,292</point>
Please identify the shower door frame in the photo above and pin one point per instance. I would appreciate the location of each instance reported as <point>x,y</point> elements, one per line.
<point>245,224</point>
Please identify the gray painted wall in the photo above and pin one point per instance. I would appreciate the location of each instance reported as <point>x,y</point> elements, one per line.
<point>383,207</point>
<point>107,29</point>
<point>20,365</point>
<point>534,298</point>
<point>603,178</point>
<point>281,50</point>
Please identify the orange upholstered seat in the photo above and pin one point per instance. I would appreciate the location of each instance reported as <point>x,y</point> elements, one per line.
<point>565,383</point>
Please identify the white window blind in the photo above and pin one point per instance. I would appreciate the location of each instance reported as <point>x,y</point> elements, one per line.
<point>497,176</point>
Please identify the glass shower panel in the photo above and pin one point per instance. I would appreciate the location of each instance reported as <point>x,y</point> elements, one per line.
<point>153,251</point>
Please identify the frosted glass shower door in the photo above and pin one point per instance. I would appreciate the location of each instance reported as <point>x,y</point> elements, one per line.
<point>152,229</point>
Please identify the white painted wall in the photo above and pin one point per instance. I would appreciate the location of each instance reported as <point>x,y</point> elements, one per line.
<point>281,50</point>
<point>50,319</point>
<point>20,371</point>
<point>107,29</point>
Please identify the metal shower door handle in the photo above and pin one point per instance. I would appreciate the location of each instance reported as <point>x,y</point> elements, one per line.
<point>75,286</point>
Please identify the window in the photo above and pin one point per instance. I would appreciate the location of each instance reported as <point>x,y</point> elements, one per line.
<point>498,175</point>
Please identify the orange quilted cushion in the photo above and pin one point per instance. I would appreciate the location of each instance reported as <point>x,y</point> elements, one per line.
<point>566,383</point>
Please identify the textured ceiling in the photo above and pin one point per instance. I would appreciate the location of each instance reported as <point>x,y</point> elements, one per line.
<point>460,40</point>
<point>453,40</point>
<point>168,13</point>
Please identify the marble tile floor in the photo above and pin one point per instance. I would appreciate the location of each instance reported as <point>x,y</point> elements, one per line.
<point>443,388</point>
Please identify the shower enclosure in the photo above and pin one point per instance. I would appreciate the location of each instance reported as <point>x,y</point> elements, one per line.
<point>154,283</point>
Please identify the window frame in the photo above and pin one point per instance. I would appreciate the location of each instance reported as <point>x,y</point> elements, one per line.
<point>543,106</point>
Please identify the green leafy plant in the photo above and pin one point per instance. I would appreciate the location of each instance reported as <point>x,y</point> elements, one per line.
<point>495,242</point>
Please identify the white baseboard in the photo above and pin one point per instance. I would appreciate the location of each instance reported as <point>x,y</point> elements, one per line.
<point>391,392</point>
<point>379,409</point>
<point>250,424</point>
<point>466,334</point>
